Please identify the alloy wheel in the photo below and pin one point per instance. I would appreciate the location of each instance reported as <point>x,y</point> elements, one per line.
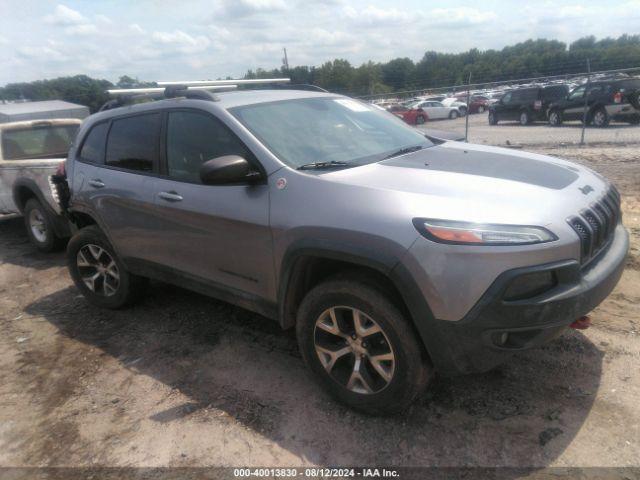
<point>37,225</point>
<point>354,350</point>
<point>98,270</point>
<point>599,118</point>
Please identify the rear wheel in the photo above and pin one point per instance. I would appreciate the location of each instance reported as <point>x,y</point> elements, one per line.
<point>453,115</point>
<point>481,109</point>
<point>98,272</point>
<point>600,118</point>
<point>39,226</point>
<point>360,347</point>
<point>420,120</point>
<point>555,118</point>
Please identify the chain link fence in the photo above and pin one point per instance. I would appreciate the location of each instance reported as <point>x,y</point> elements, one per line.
<point>591,107</point>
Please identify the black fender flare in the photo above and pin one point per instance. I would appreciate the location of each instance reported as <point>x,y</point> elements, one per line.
<point>390,266</point>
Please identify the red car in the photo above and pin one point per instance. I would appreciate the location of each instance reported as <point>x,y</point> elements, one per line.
<point>413,116</point>
<point>477,104</point>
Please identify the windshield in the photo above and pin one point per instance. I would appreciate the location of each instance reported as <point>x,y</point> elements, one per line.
<point>309,130</point>
<point>38,142</point>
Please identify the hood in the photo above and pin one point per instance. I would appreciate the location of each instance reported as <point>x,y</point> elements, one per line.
<point>458,181</point>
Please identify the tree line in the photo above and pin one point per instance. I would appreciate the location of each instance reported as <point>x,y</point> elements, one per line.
<point>533,58</point>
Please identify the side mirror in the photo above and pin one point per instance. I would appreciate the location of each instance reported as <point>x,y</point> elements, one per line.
<point>227,169</point>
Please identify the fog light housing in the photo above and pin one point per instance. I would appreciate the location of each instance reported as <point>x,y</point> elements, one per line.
<point>530,285</point>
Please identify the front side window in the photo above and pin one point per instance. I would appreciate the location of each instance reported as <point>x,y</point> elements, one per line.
<point>38,142</point>
<point>506,98</point>
<point>93,146</point>
<point>192,139</point>
<point>133,142</point>
<point>577,93</point>
<point>324,129</point>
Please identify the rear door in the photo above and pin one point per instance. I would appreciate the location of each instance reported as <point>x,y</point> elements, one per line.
<point>218,235</point>
<point>113,179</point>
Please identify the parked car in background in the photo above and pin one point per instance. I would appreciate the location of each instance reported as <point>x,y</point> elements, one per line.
<point>437,110</point>
<point>450,102</point>
<point>526,105</point>
<point>477,103</point>
<point>411,115</point>
<point>617,99</point>
<point>30,153</point>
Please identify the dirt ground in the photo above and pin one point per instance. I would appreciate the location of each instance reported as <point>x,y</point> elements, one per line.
<point>184,380</point>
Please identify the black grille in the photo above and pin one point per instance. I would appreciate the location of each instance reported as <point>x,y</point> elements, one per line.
<point>595,225</point>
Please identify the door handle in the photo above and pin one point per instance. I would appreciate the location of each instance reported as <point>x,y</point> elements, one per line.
<point>96,183</point>
<point>170,196</point>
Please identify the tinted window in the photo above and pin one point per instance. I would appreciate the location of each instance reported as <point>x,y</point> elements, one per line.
<point>192,139</point>
<point>555,93</point>
<point>37,142</point>
<point>93,146</point>
<point>133,142</point>
<point>506,98</point>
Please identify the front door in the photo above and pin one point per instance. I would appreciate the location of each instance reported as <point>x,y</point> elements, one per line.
<point>216,234</point>
<point>574,109</point>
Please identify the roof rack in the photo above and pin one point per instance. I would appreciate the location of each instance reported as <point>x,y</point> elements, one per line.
<point>214,83</point>
<point>194,89</point>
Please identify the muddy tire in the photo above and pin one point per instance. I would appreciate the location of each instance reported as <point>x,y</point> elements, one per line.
<point>39,225</point>
<point>361,348</point>
<point>99,273</point>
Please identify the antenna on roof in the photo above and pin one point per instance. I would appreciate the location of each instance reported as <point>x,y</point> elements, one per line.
<point>212,83</point>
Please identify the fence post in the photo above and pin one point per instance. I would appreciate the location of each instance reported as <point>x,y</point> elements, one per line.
<point>586,102</point>
<point>466,117</point>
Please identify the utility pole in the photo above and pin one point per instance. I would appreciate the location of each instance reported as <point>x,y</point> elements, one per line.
<point>285,60</point>
<point>586,102</point>
<point>466,120</point>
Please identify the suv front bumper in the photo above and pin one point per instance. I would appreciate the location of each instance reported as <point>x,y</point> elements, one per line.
<point>476,342</point>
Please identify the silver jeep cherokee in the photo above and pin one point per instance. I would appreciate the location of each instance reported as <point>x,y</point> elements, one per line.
<point>392,255</point>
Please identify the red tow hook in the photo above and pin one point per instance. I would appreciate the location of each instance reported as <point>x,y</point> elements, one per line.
<point>582,323</point>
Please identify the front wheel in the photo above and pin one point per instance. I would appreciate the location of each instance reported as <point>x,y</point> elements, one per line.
<point>481,109</point>
<point>98,272</point>
<point>555,118</point>
<point>420,120</point>
<point>493,118</point>
<point>39,226</point>
<point>453,115</point>
<point>360,347</point>
<point>525,118</point>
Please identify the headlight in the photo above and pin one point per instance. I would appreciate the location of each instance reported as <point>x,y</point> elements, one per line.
<point>464,233</point>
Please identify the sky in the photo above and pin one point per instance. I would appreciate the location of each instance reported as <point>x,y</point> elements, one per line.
<point>204,39</point>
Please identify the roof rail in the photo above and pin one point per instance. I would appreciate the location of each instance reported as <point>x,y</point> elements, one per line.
<point>219,83</point>
<point>129,96</point>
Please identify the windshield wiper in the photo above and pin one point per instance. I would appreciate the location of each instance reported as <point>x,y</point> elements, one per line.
<point>404,150</point>
<point>320,165</point>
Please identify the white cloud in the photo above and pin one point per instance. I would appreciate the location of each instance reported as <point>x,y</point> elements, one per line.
<point>82,29</point>
<point>244,8</point>
<point>374,16</point>
<point>64,15</point>
<point>459,16</point>
<point>182,41</point>
<point>135,28</point>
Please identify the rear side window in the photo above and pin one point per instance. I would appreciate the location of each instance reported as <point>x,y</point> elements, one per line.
<point>555,93</point>
<point>192,139</point>
<point>38,142</point>
<point>133,142</point>
<point>93,146</point>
